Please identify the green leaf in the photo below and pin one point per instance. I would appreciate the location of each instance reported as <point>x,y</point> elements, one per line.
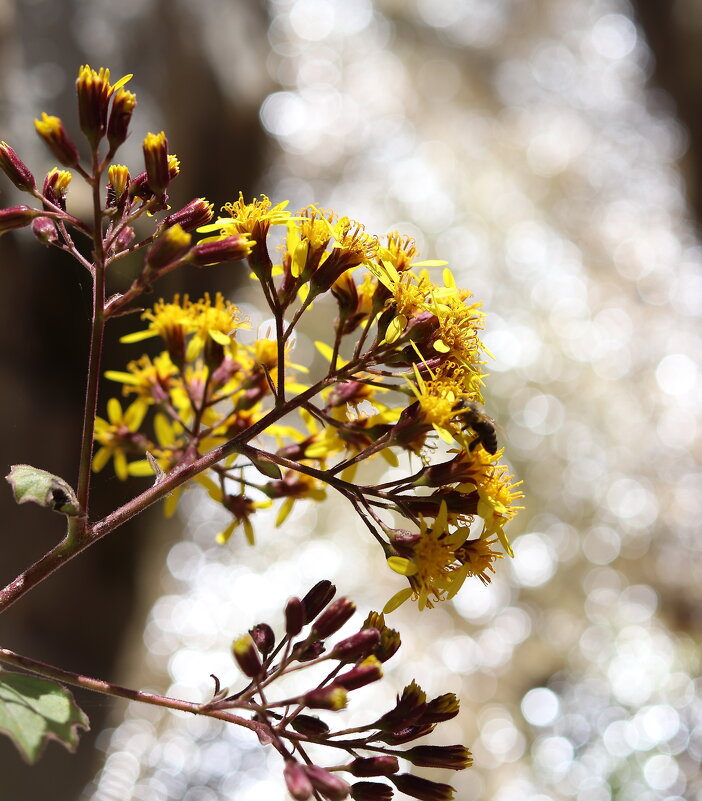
<point>30,484</point>
<point>265,466</point>
<point>34,711</point>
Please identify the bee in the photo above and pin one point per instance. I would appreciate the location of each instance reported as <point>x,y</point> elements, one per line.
<point>484,427</point>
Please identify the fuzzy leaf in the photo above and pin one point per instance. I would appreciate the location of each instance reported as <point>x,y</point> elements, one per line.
<point>34,711</point>
<point>38,486</point>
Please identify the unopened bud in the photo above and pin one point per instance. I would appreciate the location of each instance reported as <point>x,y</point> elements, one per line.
<point>389,644</point>
<point>171,246</point>
<point>55,187</point>
<point>15,169</point>
<point>407,711</point>
<point>332,697</point>
<point>374,766</point>
<point>124,238</point>
<point>262,634</point>
<point>333,617</point>
<point>94,92</point>
<point>198,212</point>
<point>298,784</point>
<point>443,707</point>
<point>307,651</point>
<point>123,104</point>
<point>118,176</point>
<point>16,217</point>
<point>317,598</point>
<point>246,655</point>
<point>51,130</point>
<point>371,791</point>
<point>406,735</point>
<point>310,726</point>
<point>329,785</point>
<point>231,248</point>
<point>451,757</point>
<point>156,161</point>
<point>294,616</point>
<point>422,789</point>
<point>44,230</point>
<point>368,671</point>
<point>357,646</point>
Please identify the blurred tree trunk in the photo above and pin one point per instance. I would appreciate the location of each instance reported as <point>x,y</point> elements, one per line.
<point>78,617</point>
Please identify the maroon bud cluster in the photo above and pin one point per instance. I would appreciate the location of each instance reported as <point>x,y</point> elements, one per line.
<point>288,723</point>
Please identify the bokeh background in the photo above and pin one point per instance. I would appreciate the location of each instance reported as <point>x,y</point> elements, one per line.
<point>550,150</point>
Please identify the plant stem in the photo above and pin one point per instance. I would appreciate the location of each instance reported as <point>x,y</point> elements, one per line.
<point>116,690</point>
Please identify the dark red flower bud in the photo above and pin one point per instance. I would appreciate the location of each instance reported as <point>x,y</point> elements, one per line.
<point>123,104</point>
<point>15,169</point>
<point>317,598</point>
<point>371,791</point>
<point>329,785</point>
<point>44,230</point>
<point>333,617</point>
<point>310,726</point>
<point>451,757</point>
<point>423,789</point>
<point>331,697</point>
<point>94,92</point>
<point>156,161</point>
<point>231,248</point>
<point>389,644</point>
<point>357,646</point>
<point>124,238</point>
<point>307,651</point>
<point>171,246</point>
<point>298,784</point>
<point>374,766</point>
<point>406,712</point>
<point>443,707</point>
<point>294,616</point>
<point>198,212</point>
<point>246,655</point>
<point>262,634</point>
<point>51,130</point>
<point>368,671</point>
<point>16,217</point>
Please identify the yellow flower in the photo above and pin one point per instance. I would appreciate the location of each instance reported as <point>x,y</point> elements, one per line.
<point>151,380</point>
<point>496,503</point>
<point>118,437</point>
<point>213,322</point>
<point>173,322</point>
<point>434,570</point>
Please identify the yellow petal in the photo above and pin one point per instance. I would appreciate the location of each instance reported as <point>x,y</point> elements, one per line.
<point>441,346</point>
<point>121,466</point>
<point>219,337</point>
<point>101,458</point>
<point>405,567</point>
<point>114,411</point>
<point>397,600</point>
<point>284,511</point>
<point>137,336</point>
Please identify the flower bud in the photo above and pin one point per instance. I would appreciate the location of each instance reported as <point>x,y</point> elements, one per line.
<point>406,712</point>
<point>332,697</point>
<point>371,791</point>
<point>294,616</point>
<point>94,92</point>
<point>389,644</point>
<point>307,651</point>
<point>451,757</point>
<point>333,617</point>
<point>198,212</point>
<point>231,248</point>
<point>422,789</point>
<point>15,169</point>
<point>246,655</point>
<point>329,785</point>
<point>374,766</point>
<point>16,217</point>
<point>298,784</point>
<point>357,646</point>
<point>124,238</point>
<point>171,246</point>
<point>118,176</point>
<point>44,230</point>
<point>55,187</point>
<point>51,130</point>
<point>262,634</point>
<point>317,598</point>
<point>368,671</point>
<point>443,707</point>
<point>156,161</point>
<point>123,104</point>
<point>310,726</point>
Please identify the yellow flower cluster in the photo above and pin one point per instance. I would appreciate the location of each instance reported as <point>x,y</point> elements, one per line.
<point>404,370</point>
